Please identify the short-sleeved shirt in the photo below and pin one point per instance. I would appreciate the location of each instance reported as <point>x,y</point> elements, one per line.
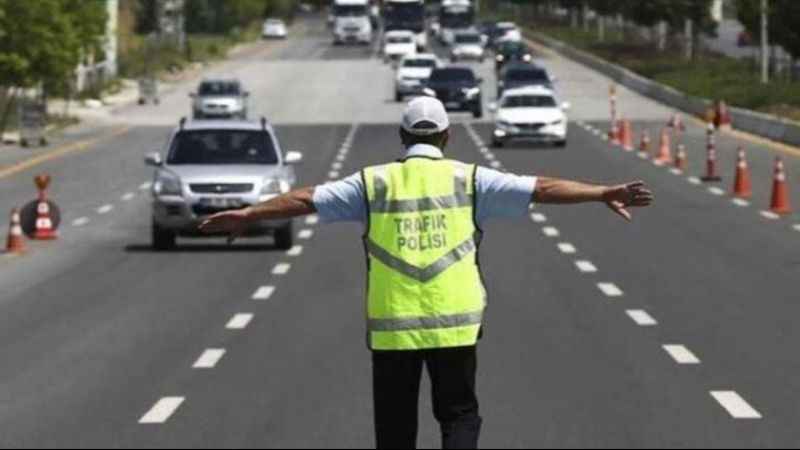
<point>498,195</point>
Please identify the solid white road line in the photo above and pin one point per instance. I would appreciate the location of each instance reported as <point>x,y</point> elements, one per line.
<point>567,248</point>
<point>239,321</point>
<point>162,410</point>
<point>79,222</point>
<point>551,232</point>
<point>209,359</point>
<point>586,266</point>
<point>770,215</point>
<point>281,269</point>
<point>305,234</point>
<point>297,250</point>
<point>736,406</point>
<point>128,196</point>
<point>740,202</point>
<point>696,181</point>
<point>681,354</point>
<point>716,191</point>
<point>312,220</point>
<point>538,218</point>
<point>610,289</point>
<point>105,209</point>
<point>642,318</point>
<point>145,186</point>
<point>263,293</point>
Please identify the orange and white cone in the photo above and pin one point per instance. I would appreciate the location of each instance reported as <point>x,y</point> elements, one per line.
<point>615,134</point>
<point>743,185</point>
<point>664,155</point>
<point>15,243</point>
<point>681,159</point>
<point>711,175</point>
<point>45,231</point>
<point>627,136</point>
<point>780,190</point>
<point>644,144</point>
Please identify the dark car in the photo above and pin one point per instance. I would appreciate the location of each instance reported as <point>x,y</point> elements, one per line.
<point>458,88</point>
<point>522,75</point>
<point>512,52</point>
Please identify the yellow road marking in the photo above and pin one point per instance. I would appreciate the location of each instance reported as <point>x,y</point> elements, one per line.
<point>75,147</point>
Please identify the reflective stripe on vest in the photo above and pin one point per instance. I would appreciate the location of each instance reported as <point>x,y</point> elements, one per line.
<point>425,288</point>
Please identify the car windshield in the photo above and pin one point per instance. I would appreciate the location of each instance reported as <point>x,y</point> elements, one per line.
<point>528,75</point>
<point>529,101</point>
<point>222,147</point>
<point>218,88</point>
<point>399,40</point>
<point>419,63</point>
<point>453,75</point>
<point>513,48</point>
<point>350,10</point>
<point>468,39</point>
<point>274,22</point>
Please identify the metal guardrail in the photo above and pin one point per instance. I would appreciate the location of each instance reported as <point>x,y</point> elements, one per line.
<point>771,127</point>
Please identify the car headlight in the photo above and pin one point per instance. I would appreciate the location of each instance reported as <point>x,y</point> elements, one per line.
<point>505,125</point>
<point>527,58</point>
<point>471,92</point>
<point>274,187</point>
<point>501,58</point>
<point>168,185</point>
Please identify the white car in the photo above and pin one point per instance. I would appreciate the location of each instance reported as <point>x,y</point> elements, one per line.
<point>399,44</point>
<point>413,73</point>
<point>509,31</point>
<point>274,29</point>
<point>468,45</point>
<point>531,113</point>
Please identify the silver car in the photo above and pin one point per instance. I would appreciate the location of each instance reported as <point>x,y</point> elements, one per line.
<point>214,166</point>
<point>222,98</point>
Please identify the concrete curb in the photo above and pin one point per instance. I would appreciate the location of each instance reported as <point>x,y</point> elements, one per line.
<point>764,125</point>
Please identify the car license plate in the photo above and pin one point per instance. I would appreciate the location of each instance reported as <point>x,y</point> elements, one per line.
<point>453,105</point>
<point>221,203</point>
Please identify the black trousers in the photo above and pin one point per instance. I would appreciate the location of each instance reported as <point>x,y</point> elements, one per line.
<point>396,384</point>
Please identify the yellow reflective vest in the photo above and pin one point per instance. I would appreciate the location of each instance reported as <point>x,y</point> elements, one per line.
<point>425,289</point>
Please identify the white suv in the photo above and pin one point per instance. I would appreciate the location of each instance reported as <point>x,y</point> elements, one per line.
<point>531,113</point>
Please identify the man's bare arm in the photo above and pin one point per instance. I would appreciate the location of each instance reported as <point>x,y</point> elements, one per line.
<point>617,198</point>
<point>293,204</point>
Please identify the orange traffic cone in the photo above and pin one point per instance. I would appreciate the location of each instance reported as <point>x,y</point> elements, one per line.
<point>780,190</point>
<point>15,243</point>
<point>711,175</point>
<point>743,186</point>
<point>665,149</point>
<point>681,159</point>
<point>615,134</point>
<point>676,123</point>
<point>627,136</point>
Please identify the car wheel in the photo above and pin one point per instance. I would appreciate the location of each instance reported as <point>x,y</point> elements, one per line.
<point>284,237</point>
<point>398,97</point>
<point>561,144</point>
<point>163,239</point>
<point>497,143</point>
<point>478,112</point>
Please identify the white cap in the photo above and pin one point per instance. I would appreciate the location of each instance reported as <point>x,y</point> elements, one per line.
<point>425,116</point>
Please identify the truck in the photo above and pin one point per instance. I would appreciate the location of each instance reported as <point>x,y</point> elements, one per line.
<point>406,15</point>
<point>455,15</point>
<point>351,22</point>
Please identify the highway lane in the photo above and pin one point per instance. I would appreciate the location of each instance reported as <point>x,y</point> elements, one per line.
<point>97,329</point>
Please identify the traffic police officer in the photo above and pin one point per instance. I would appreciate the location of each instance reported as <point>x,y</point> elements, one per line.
<point>425,300</point>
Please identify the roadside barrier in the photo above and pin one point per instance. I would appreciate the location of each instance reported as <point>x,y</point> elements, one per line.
<point>742,186</point>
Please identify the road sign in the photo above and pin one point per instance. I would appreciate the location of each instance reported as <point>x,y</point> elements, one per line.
<point>32,121</point>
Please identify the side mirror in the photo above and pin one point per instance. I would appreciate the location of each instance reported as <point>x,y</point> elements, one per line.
<point>566,106</point>
<point>494,107</point>
<point>247,94</point>
<point>192,95</point>
<point>293,158</point>
<point>480,80</point>
<point>154,160</point>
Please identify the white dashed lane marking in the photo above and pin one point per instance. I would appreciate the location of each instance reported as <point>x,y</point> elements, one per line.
<point>740,202</point>
<point>769,215</point>
<point>696,181</point>
<point>676,171</point>
<point>551,232</point>
<point>586,266</point>
<point>209,359</point>
<point>736,406</point>
<point>239,321</point>
<point>682,355</point>
<point>567,248</point>
<point>162,410</point>
<point>305,234</point>
<point>337,166</point>
<point>264,293</point>
<point>642,318</point>
<point>79,222</point>
<point>333,175</point>
<point>145,186</point>
<point>496,165</point>
<point>610,289</point>
<point>312,220</point>
<point>105,209</point>
<point>538,218</point>
<point>716,191</point>
<point>297,250</point>
<point>128,196</point>
<point>797,227</point>
<point>281,269</point>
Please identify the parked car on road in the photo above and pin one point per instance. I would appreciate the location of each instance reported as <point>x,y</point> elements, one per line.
<point>274,29</point>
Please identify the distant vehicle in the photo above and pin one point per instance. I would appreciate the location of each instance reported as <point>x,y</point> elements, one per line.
<point>744,39</point>
<point>467,45</point>
<point>506,31</point>
<point>222,98</point>
<point>458,88</point>
<point>455,15</point>
<point>531,113</point>
<point>522,75</point>
<point>406,15</point>
<point>274,29</point>
<point>512,52</point>
<point>399,44</point>
<point>352,24</point>
<point>413,73</point>
<point>212,167</point>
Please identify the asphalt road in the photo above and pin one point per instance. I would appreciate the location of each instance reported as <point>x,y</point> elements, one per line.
<point>665,332</point>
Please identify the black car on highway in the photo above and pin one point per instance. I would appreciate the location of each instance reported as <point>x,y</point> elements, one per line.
<point>458,88</point>
<point>512,52</point>
<point>519,75</point>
